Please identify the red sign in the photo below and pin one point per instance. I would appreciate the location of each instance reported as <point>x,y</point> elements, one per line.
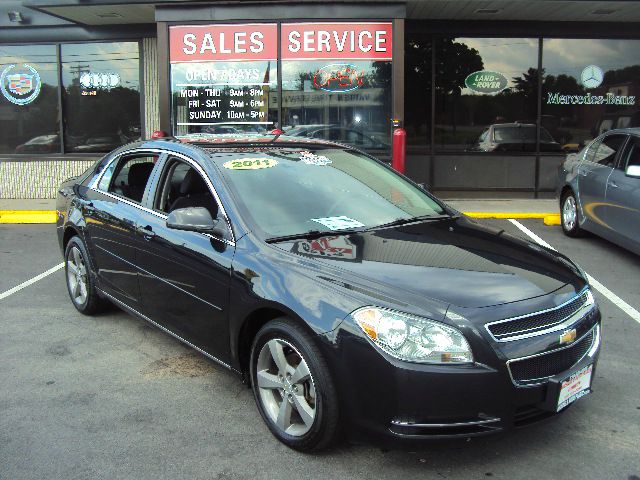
<point>219,43</point>
<point>338,78</point>
<point>336,41</point>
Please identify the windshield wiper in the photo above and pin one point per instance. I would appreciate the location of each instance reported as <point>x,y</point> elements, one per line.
<point>312,234</point>
<point>404,221</point>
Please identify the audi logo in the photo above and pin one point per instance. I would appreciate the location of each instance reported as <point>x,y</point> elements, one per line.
<point>99,80</point>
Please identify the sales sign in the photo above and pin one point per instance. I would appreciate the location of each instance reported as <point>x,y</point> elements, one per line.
<point>210,43</point>
<point>336,41</point>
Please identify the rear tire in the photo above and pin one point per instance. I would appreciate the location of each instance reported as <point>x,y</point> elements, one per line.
<point>569,215</point>
<point>293,388</point>
<point>81,279</point>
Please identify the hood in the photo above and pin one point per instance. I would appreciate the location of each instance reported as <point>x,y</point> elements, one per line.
<point>455,261</point>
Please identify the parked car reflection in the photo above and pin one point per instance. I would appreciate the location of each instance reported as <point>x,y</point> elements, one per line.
<point>514,137</point>
<point>337,133</point>
<point>101,143</point>
<point>40,144</point>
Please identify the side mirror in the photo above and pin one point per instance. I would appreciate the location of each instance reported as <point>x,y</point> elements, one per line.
<point>195,219</point>
<point>633,171</point>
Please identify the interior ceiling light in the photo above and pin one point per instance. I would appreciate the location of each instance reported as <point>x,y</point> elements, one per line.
<point>488,11</point>
<point>603,11</point>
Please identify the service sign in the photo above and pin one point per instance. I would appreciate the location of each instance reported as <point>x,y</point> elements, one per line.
<point>336,41</point>
<point>211,43</point>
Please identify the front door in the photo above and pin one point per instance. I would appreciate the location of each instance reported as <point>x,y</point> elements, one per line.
<point>593,173</point>
<point>623,196</point>
<point>185,276</point>
<point>111,212</point>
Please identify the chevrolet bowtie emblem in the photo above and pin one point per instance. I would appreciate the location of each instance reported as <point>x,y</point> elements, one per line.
<point>568,336</point>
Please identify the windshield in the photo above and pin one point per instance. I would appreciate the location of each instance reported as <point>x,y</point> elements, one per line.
<point>288,191</point>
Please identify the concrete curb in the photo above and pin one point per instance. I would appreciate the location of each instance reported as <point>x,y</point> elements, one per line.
<point>49,216</point>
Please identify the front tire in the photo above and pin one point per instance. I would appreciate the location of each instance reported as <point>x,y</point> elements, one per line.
<point>569,215</point>
<point>293,388</point>
<point>80,279</point>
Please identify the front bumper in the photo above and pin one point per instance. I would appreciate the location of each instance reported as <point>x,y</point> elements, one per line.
<point>391,402</point>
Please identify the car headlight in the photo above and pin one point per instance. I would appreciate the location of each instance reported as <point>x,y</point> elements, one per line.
<point>412,338</point>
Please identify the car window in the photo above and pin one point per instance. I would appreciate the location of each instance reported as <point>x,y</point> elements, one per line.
<point>182,186</point>
<point>606,151</point>
<point>631,155</point>
<point>128,176</point>
<point>483,135</point>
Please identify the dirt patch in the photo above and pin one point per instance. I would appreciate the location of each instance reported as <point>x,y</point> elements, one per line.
<point>187,365</point>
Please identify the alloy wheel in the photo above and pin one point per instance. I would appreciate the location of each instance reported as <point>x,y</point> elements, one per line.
<point>77,276</point>
<point>569,213</point>
<point>286,388</point>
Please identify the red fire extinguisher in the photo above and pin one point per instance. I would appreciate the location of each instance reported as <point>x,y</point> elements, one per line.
<point>399,149</point>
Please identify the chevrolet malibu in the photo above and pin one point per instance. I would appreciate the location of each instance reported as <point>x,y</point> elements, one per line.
<point>351,300</point>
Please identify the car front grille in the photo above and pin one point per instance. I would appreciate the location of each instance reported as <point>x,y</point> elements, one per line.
<point>530,370</point>
<point>519,327</point>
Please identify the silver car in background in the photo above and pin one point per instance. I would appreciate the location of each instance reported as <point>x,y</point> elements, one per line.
<point>599,189</point>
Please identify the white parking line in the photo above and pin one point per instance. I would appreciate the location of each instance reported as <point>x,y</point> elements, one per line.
<point>613,298</point>
<point>31,281</point>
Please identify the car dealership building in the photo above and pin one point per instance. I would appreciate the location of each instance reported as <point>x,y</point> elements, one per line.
<point>492,93</point>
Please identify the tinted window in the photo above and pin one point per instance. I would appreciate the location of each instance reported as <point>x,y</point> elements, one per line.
<point>290,191</point>
<point>482,82</point>
<point>311,97</point>
<point>130,176</point>
<point>589,87</point>
<point>606,152</point>
<point>101,95</point>
<point>29,100</point>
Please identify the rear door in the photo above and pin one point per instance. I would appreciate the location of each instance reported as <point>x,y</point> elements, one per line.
<point>623,196</point>
<point>111,214</point>
<point>185,276</point>
<point>593,173</point>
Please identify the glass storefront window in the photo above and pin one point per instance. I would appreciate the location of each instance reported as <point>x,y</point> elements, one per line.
<point>29,100</point>
<point>339,101</point>
<point>589,87</point>
<point>484,84</point>
<point>101,95</point>
<point>417,90</point>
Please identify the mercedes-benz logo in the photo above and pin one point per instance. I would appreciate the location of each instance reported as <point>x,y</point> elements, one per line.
<point>592,76</point>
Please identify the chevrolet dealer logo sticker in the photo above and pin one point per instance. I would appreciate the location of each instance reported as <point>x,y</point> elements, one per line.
<point>568,336</point>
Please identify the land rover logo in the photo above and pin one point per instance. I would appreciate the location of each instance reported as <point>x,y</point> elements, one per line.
<point>486,81</point>
<point>20,84</point>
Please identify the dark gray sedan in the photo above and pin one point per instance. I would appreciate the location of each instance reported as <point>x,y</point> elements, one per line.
<point>599,189</point>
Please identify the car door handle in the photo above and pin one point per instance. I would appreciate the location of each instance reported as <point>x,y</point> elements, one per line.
<point>146,232</point>
<point>613,184</point>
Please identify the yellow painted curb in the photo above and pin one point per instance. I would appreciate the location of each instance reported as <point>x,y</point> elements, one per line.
<point>28,216</point>
<point>515,215</point>
<point>552,219</point>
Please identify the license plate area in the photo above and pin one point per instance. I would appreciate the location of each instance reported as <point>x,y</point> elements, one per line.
<point>574,387</point>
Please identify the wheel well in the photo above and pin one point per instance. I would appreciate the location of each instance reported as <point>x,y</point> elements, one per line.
<point>252,324</point>
<point>564,191</point>
<point>69,232</point>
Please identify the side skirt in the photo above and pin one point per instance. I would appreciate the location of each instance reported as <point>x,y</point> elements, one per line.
<point>178,337</point>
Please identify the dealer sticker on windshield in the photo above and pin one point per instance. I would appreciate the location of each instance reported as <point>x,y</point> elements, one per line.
<point>312,159</point>
<point>250,164</point>
<point>576,386</point>
<point>338,223</point>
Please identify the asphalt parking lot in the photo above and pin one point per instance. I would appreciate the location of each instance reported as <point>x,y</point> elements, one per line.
<point>110,397</point>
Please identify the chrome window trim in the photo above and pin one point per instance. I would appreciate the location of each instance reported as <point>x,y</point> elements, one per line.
<point>570,320</point>
<point>93,185</point>
<point>178,337</point>
<point>595,345</point>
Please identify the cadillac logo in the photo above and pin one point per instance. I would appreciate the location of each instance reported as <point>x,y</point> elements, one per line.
<point>20,85</point>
